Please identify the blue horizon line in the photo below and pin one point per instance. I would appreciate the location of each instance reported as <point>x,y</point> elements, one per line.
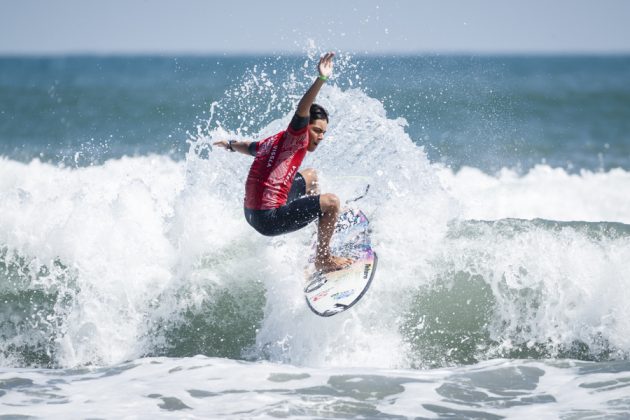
<point>291,54</point>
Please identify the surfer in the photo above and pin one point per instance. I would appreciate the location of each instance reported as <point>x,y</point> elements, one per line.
<point>280,199</point>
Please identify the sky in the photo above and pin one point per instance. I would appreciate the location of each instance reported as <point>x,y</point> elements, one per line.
<point>34,27</point>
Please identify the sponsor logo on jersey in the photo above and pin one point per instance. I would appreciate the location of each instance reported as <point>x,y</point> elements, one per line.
<point>272,156</point>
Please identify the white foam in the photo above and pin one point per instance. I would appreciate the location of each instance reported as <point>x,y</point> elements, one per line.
<point>132,234</point>
<point>362,147</point>
<point>544,192</point>
<point>200,388</point>
<point>107,225</point>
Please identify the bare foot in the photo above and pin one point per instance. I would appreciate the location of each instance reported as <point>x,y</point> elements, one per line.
<point>331,263</point>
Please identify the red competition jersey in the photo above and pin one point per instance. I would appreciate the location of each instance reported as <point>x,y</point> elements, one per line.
<point>277,160</point>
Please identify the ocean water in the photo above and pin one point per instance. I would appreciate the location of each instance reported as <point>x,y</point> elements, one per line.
<point>131,286</point>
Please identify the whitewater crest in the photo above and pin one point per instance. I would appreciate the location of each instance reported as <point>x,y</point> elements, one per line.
<point>148,256</point>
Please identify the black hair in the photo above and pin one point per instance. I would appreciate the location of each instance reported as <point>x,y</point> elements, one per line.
<point>317,112</point>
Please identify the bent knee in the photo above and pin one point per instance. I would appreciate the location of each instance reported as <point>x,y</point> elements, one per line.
<point>310,178</point>
<point>309,174</point>
<point>329,202</point>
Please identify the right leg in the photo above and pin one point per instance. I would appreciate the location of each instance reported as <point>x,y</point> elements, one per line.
<point>310,178</point>
<point>325,261</point>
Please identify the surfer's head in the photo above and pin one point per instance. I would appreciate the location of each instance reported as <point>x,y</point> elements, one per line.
<point>318,123</point>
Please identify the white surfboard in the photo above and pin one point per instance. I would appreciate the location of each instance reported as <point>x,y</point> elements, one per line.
<point>330,293</point>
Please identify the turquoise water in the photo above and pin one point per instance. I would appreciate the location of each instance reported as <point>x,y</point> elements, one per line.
<point>485,112</point>
<point>498,206</point>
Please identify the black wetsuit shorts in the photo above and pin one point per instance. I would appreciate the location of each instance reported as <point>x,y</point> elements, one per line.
<point>299,210</point>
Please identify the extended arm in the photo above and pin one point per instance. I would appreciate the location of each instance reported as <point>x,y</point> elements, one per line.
<point>236,146</point>
<point>303,109</point>
<point>325,70</point>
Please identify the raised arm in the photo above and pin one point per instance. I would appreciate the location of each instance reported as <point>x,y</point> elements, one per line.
<point>303,109</point>
<point>325,71</point>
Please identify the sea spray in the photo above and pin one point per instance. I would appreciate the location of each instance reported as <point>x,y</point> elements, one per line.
<point>500,273</point>
<point>406,205</point>
<point>213,305</point>
<point>103,227</point>
<point>143,256</point>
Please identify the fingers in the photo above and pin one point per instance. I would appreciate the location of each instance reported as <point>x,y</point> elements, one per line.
<point>325,64</point>
<point>220,143</point>
<point>327,58</point>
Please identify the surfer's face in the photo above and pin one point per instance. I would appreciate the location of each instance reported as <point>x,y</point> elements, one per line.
<point>316,129</point>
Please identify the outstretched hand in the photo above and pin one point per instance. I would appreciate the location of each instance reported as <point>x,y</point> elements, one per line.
<point>325,66</point>
<point>221,143</point>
